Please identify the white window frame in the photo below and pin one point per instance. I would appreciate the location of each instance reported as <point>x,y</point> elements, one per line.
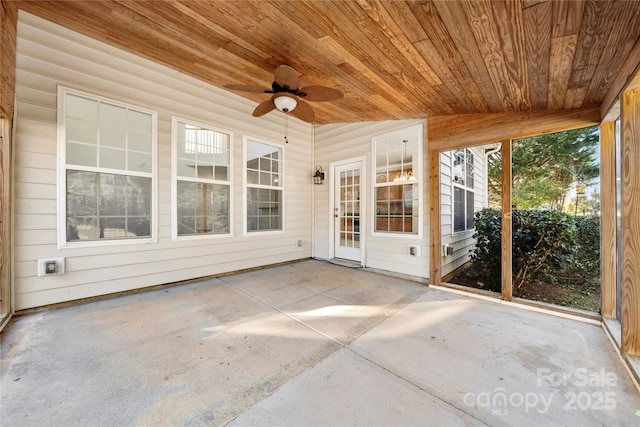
<point>175,178</point>
<point>245,186</point>
<point>464,187</point>
<point>62,172</point>
<point>416,132</point>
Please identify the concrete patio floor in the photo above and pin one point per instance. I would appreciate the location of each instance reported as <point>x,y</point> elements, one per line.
<point>308,343</point>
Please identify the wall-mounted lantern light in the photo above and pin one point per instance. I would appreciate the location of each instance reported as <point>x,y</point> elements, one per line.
<point>318,177</point>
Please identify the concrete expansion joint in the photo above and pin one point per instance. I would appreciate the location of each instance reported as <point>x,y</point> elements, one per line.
<point>399,305</point>
<point>295,319</point>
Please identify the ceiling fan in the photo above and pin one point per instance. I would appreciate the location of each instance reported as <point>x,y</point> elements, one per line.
<point>287,95</point>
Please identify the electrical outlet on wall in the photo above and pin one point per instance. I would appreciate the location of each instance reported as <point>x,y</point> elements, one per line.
<point>414,250</point>
<point>447,250</point>
<point>50,266</point>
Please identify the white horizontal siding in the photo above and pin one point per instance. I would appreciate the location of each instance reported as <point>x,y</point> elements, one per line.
<point>49,55</point>
<point>35,222</point>
<point>28,190</point>
<point>32,206</point>
<point>462,242</point>
<point>339,142</point>
<point>96,286</point>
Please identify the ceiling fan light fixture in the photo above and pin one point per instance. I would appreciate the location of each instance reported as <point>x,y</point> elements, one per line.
<point>284,103</point>
<point>287,95</point>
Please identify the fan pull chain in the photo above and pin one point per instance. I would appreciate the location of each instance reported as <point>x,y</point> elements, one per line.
<point>286,127</point>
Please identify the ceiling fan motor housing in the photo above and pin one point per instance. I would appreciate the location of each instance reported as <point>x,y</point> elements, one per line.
<point>287,94</point>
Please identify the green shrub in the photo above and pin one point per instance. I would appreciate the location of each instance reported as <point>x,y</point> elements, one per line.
<point>586,257</point>
<point>487,253</point>
<point>542,241</point>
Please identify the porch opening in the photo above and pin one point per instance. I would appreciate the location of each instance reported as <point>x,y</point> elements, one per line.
<point>555,215</point>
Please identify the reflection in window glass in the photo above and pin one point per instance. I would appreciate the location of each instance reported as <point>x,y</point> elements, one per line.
<point>202,208</point>
<point>264,187</point>
<point>396,187</point>
<point>203,187</point>
<point>109,163</point>
<point>463,190</point>
<point>91,125</point>
<point>107,206</point>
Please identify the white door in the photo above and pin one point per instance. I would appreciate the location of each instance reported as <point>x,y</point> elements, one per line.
<point>347,213</point>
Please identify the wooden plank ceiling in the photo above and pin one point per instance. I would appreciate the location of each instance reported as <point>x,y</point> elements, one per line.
<point>392,59</point>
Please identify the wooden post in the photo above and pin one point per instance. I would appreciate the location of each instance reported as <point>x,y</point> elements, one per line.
<point>608,219</point>
<point>434,218</point>
<point>8,26</point>
<point>5,218</point>
<point>507,223</point>
<point>631,222</point>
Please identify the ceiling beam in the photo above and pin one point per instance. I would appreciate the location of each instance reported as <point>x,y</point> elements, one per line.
<point>466,130</point>
<point>628,77</point>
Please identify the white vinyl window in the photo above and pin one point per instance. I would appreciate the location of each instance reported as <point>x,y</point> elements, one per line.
<point>397,182</point>
<point>264,187</point>
<point>108,159</point>
<point>463,190</point>
<point>202,179</point>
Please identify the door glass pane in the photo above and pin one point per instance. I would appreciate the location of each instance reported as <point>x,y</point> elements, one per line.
<point>349,208</point>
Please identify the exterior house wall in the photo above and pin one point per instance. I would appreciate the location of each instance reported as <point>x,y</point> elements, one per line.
<point>462,241</point>
<point>48,56</point>
<point>340,142</point>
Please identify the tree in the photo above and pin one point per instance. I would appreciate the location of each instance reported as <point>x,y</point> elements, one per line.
<point>545,167</point>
